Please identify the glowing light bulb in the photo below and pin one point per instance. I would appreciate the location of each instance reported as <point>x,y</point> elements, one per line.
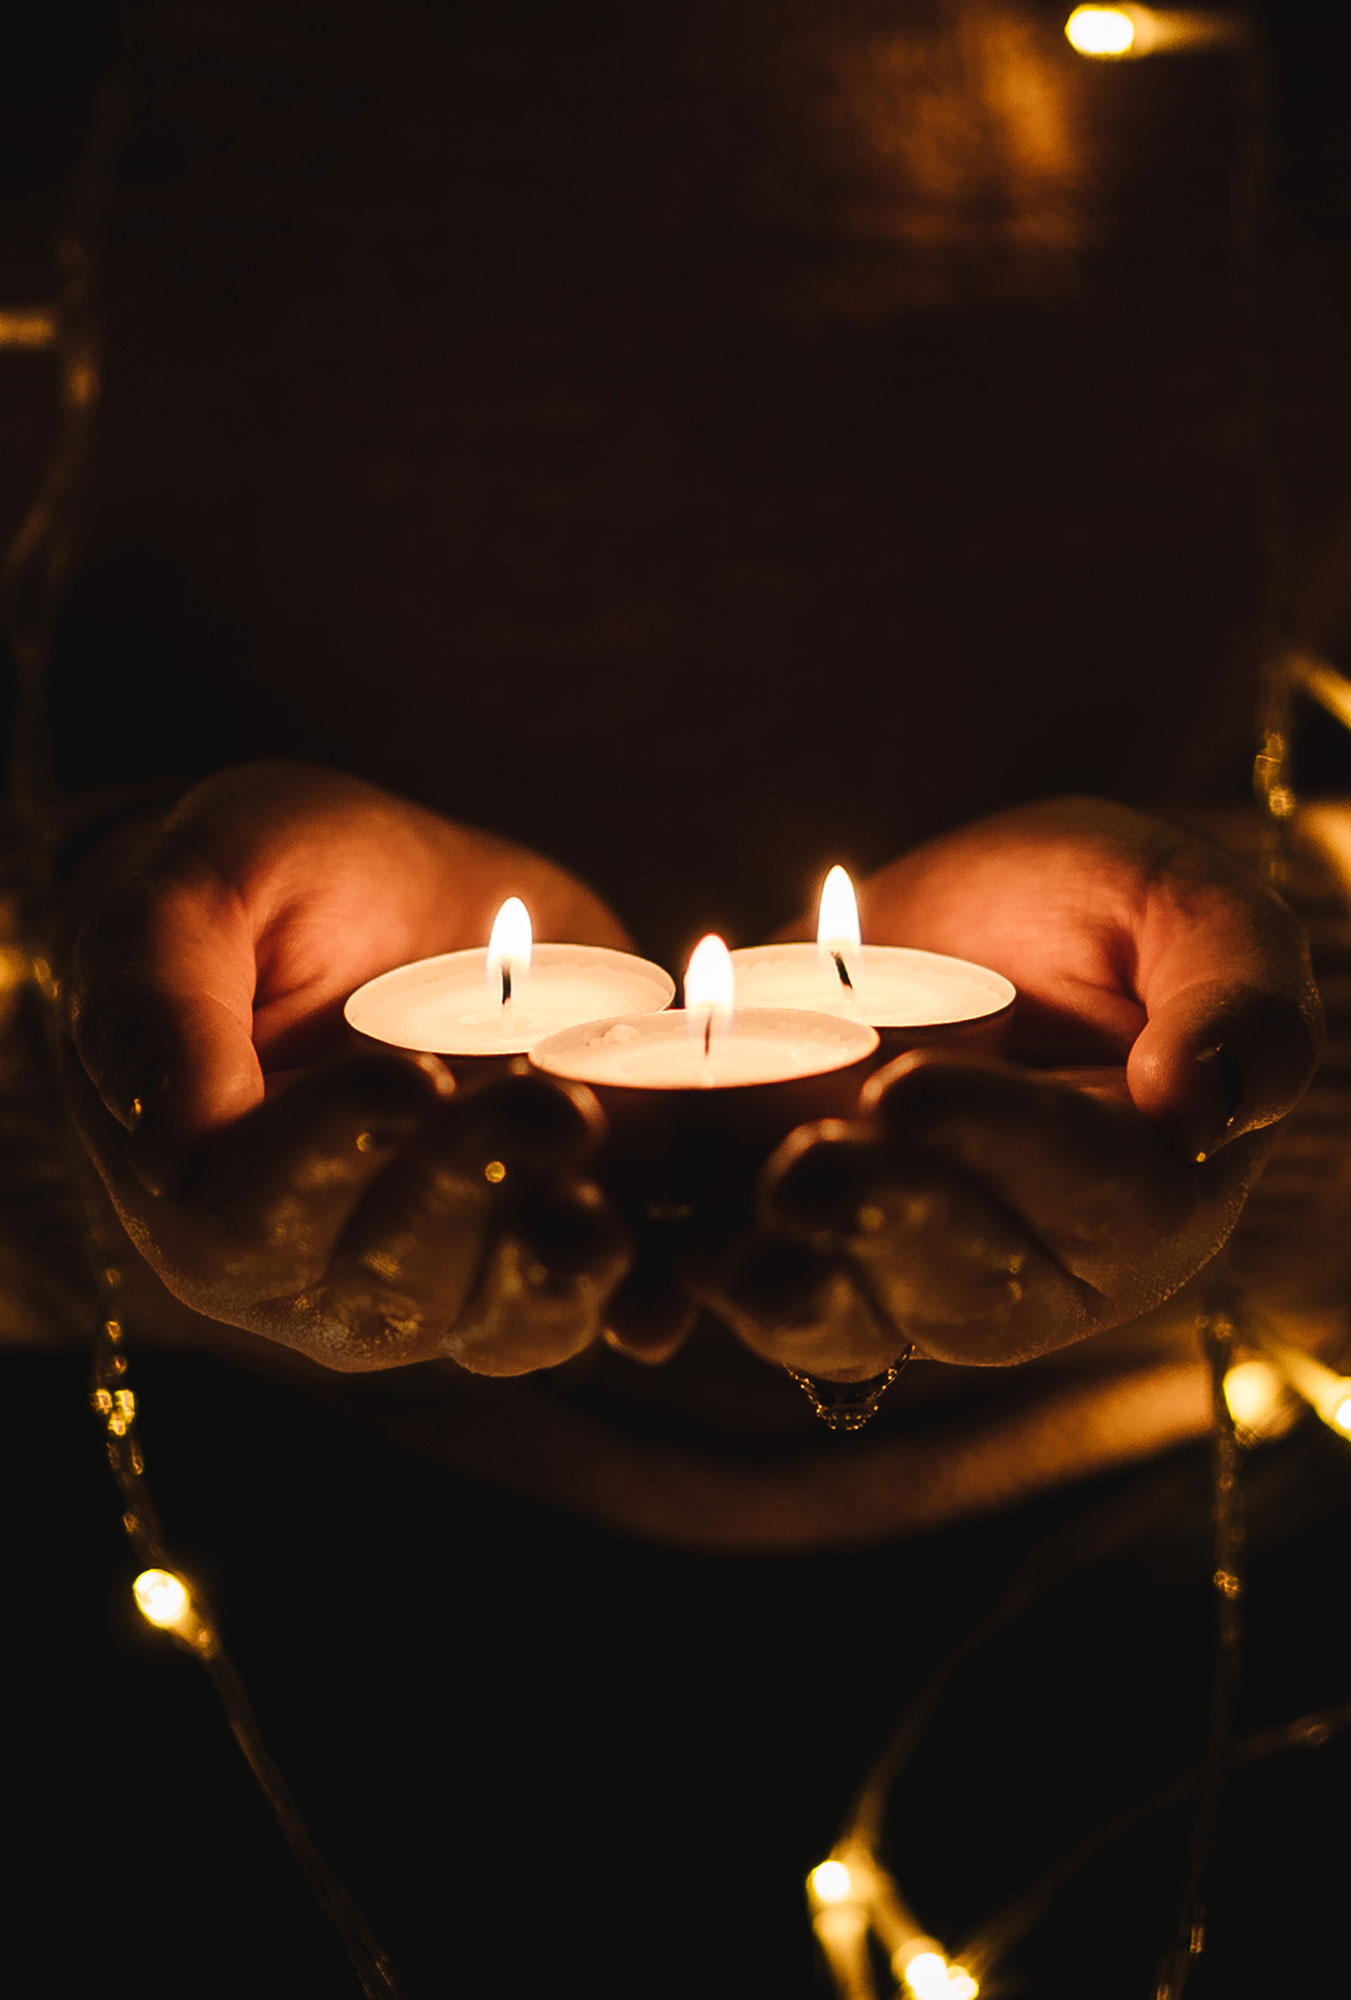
<point>1258,1399</point>
<point>1323,1389</point>
<point>831,1882</point>
<point>161,1598</point>
<point>838,936</point>
<point>927,1974</point>
<point>1100,31</point>
<point>509,948</point>
<point>708,978</point>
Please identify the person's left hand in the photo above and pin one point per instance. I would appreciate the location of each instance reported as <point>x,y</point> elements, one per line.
<point>991,1211</point>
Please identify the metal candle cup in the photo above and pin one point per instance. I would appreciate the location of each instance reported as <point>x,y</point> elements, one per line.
<point>688,1134</point>
<point>444,1006</point>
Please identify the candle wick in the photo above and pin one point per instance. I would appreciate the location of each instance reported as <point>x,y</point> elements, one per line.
<point>506,982</point>
<point>708,1034</point>
<point>842,969</point>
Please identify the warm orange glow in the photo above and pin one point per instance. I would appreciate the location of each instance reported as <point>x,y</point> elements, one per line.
<point>831,1882</point>
<point>28,326</point>
<point>1147,31</point>
<point>1101,31</point>
<point>708,977</point>
<point>509,948</point>
<point>161,1598</point>
<point>928,1975</point>
<point>1326,1392</point>
<point>1259,1401</point>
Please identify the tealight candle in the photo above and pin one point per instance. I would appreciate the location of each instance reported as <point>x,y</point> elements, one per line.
<point>482,1005</point>
<point>697,1098</point>
<point>911,997</point>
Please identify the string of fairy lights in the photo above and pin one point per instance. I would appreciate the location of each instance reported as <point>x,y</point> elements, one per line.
<point>859,1913</point>
<point>1262,1381</point>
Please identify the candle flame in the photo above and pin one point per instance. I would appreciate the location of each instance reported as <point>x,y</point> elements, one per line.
<point>837,929</point>
<point>509,947</point>
<point>708,978</point>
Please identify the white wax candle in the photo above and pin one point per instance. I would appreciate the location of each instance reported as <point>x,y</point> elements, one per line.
<point>894,986</point>
<point>446,1006</point>
<point>666,1051</point>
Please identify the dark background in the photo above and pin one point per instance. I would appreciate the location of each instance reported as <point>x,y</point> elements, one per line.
<point>544,1757</point>
<point>745,431</point>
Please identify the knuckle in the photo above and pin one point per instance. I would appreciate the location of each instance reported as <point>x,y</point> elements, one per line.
<point>356,1331</point>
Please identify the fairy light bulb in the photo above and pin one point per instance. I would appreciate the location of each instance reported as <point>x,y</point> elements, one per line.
<point>1100,31</point>
<point>1111,33</point>
<point>1327,1393</point>
<point>927,1973</point>
<point>830,1882</point>
<point>161,1599</point>
<point>1259,1401</point>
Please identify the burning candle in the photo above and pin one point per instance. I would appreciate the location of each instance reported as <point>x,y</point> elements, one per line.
<point>707,1045</point>
<point>910,997</point>
<point>497,1002</point>
<point>698,1098</point>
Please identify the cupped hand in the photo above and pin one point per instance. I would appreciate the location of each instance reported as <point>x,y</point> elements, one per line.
<point>987,1212</point>
<point>364,1213</point>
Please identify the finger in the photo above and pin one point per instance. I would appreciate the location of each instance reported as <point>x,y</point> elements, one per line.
<point>545,1286</point>
<point>161,999</point>
<point>263,1203</point>
<point>653,1311</point>
<point>944,1264</point>
<point>1234,1022</point>
<point>790,1304</point>
<point>1101,1188</point>
<point>415,1253</point>
<point>1216,1061</point>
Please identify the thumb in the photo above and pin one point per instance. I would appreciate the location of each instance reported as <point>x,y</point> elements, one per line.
<point>1217,1060</point>
<point>161,1001</point>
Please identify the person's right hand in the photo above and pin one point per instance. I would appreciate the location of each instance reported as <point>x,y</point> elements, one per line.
<point>365,1213</point>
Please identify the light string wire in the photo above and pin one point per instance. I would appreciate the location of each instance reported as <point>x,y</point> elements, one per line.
<point>195,1630</point>
<point>1001,1933</point>
<point>1226,1578</point>
<point>33,576</point>
<point>854,1894</point>
<point>1252,224</point>
<point>1283,669</point>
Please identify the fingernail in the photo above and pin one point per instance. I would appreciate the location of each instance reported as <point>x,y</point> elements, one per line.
<point>649,1318</point>
<point>1222,1083</point>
